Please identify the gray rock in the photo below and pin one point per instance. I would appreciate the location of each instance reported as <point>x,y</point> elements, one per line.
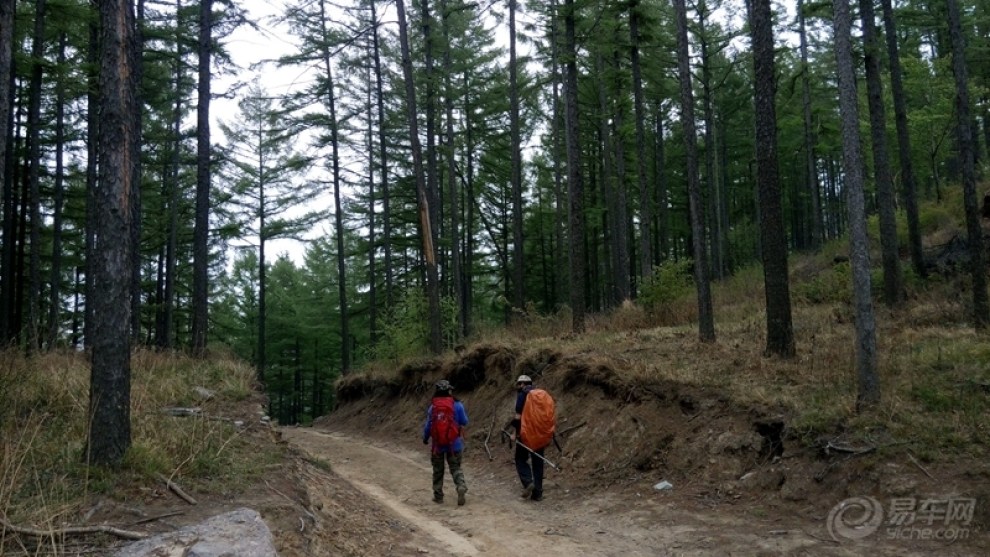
<point>239,533</point>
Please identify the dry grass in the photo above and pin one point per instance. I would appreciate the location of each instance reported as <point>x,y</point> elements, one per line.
<point>43,407</point>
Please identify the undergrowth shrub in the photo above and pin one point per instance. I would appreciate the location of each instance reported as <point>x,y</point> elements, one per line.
<point>669,282</point>
<point>829,286</point>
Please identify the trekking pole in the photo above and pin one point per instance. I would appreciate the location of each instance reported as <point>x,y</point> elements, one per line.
<point>534,453</point>
<point>489,436</point>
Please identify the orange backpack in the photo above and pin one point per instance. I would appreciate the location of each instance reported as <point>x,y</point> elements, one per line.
<point>539,419</point>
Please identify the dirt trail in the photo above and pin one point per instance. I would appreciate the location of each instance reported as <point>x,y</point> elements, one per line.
<point>626,521</point>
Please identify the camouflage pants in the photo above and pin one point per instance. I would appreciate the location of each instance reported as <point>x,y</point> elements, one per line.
<point>454,461</point>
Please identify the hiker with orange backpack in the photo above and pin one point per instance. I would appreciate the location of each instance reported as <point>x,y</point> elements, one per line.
<point>445,420</point>
<point>534,423</point>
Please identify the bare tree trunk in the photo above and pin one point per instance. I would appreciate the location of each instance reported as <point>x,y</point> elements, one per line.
<point>55,280</point>
<point>575,187</point>
<point>620,241</point>
<point>137,75</point>
<point>92,157</point>
<point>645,199</point>
<point>429,254</point>
<point>908,180</point>
<point>706,321</point>
<point>817,235</point>
<point>201,231</point>
<point>430,108</point>
<point>7,269</point>
<point>168,325</point>
<point>780,331</point>
<point>893,284</point>
<point>345,335</point>
<point>109,402</point>
<point>978,268</point>
<point>34,178</point>
<point>469,223</point>
<point>372,221</point>
<point>457,278</point>
<point>383,161</point>
<point>519,288</point>
<point>859,253</point>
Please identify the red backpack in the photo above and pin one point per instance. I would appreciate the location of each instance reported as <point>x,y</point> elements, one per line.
<point>444,428</point>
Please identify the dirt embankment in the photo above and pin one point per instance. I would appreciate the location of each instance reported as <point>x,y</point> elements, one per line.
<point>624,435</point>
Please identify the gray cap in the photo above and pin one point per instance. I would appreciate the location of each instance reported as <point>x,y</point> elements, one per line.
<point>444,385</point>
<point>524,379</point>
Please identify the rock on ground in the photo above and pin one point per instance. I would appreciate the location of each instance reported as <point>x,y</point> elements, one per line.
<point>239,533</point>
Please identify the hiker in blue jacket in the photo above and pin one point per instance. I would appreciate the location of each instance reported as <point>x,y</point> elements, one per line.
<point>445,422</point>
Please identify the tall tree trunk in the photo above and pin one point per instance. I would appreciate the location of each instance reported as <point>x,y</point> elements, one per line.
<point>908,180</point>
<point>429,254</point>
<point>518,287</point>
<point>711,180</point>
<point>7,269</point>
<point>859,253</point>
<point>645,197</point>
<point>978,268</point>
<point>893,284</point>
<point>457,278</point>
<point>810,167</point>
<point>706,321</point>
<point>575,187</point>
<point>55,280</point>
<point>383,160</point>
<point>109,402</point>
<point>338,217</point>
<point>201,231</point>
<point>780,331</point>
<point>92,156</point>
<point>620,243</point>
<point>34,178</point>
<point>608,197</point>
<point>262,364</point>
<point>430,107</point>
<point>663,220</point>
<point>137,76</point>
<point>372,221</point>
<point>469,221</point>
<point>171,250</point>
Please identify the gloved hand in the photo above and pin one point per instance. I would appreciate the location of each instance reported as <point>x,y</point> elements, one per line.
<point>426,440</point>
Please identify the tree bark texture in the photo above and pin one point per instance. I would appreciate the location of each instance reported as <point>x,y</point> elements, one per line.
<point>575,187</point>
<point>859,253</point>
<point>109,424</point>
<point>780,330</point>
<point>201,231</point>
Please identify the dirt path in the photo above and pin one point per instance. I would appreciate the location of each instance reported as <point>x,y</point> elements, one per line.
<point>614,522</point>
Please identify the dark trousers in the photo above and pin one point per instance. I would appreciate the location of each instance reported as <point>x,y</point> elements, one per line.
<point>454,462</point>
<point>530,474</point>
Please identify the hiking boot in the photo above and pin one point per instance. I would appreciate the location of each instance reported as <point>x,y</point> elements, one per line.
<point>438,498</point>
<point>460,497</point>
<point>527,491</point>
<point>537,496</point>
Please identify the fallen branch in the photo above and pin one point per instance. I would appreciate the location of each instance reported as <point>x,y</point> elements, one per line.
<point>850,450</point>
<point>156,517</point>
<point>72,530</point>
<point>920,467</point>
<point>177,490</point>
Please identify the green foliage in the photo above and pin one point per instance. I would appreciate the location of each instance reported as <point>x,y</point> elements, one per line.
<point>828,286</point>
<point>668,283</point>
<point>405,329</point>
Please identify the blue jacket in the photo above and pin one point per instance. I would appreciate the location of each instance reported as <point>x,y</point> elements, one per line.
<point>462,419</point>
